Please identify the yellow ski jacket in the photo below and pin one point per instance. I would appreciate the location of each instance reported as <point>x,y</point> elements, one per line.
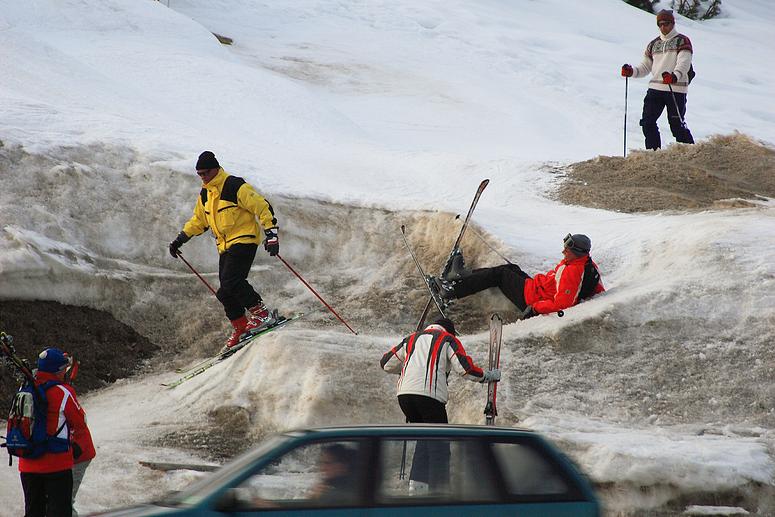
<point>229,206</point>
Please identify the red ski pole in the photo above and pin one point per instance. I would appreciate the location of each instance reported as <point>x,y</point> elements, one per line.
<point>180,256</point>
<point>315,293</point>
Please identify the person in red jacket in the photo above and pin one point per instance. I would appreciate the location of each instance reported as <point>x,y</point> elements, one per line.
<point>47,481</point>
<point>574,279</point>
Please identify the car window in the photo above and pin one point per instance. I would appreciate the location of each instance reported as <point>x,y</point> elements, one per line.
<point>203,488</point>
<point>527,472</point>
<point>313,475</point>
<point>443,471</point>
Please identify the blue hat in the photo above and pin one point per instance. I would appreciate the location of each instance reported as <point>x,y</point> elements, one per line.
<point>52,360</point>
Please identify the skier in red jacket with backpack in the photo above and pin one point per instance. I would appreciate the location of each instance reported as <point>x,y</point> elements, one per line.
<point>47,480</point>
<point>574,279</point>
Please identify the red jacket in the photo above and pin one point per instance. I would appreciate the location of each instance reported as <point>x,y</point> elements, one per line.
<point>63,407</point>
<point>559,288</point>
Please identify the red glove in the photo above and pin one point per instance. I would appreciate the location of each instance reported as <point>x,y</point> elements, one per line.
<point>669,78</point>
<point>626,70</point>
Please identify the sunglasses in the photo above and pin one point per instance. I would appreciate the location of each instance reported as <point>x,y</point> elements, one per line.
<point>665,24</point>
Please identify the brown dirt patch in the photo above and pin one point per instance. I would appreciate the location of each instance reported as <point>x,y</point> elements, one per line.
<point>729,171</point>
<point>107,349</point>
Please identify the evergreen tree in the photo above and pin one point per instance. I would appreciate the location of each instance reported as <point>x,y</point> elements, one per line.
<point>646,5</point>
<point>692,9</point>
<point>714,9</point>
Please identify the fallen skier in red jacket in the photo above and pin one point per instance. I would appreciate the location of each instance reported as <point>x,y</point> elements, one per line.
<point>573,280</point>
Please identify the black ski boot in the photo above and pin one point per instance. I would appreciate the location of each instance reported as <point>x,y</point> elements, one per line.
<point>443,289</point>
<point>457,267</point>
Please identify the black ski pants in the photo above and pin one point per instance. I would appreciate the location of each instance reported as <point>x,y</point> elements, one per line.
<point>420,409</point>
<point>431,457</point>
<point>509,278</point>
<point>48,495</point>
<point>235,293</point>
<point>653,105</point>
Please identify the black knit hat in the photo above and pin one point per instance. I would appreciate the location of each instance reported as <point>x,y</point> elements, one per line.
<point>207,161</point>
<point>447,324</point>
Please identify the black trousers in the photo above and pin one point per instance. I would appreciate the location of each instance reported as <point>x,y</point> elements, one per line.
<point>235,293</point>
<point>48,495</point>
<point>653,105</point>
<point>420,409</point>
<point>509,278</point>
<point>431,457</point>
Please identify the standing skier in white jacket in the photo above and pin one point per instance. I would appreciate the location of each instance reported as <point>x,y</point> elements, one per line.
<point>668,58</point>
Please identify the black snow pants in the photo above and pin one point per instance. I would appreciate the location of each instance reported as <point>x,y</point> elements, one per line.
<point>509,278</point>
<point>48,495</point>
<point>653,105</point>
<point>431,457</point>
<point>235,293</point>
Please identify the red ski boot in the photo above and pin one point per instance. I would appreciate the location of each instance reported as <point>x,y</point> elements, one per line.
<point>260,318</point>
<point>240,327</point>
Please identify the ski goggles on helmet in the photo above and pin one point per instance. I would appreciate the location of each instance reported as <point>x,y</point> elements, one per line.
<point>578,245</point>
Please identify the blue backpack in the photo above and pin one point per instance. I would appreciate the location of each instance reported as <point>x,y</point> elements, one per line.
<point>26,435</point>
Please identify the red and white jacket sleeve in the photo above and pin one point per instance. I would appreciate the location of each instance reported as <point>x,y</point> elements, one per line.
<point>462,362</point>
<point>79,431</point>
<point>393,360</point>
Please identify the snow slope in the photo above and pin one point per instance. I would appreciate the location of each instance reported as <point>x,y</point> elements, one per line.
<point>105,105</point>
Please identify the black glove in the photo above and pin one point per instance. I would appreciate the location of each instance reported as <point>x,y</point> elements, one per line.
<point>529,312</point>
<point>669,78</point>
<point>175,245</point>
<point>271,244</point>
<point>76,451</point>
<point>626,70</point>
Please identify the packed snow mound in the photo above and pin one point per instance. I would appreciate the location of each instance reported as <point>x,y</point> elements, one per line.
<point>725,171</point>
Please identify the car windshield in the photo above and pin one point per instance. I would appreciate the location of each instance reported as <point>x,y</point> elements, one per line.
<point>202,488</point>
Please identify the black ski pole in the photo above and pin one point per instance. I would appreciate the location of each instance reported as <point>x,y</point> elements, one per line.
<point>481,238</point>
<point>439,306</point>
<point>402,472</point>
<point>626,91</point>
<point>675,103</point>
<point>8,350</point>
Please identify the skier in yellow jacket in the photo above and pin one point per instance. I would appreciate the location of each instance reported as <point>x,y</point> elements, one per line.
<point>232,209</point>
